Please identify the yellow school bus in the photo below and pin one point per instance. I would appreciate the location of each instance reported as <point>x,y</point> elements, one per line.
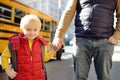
<point>12,11</point>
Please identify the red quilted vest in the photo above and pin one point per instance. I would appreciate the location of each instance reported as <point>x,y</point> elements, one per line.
<point>29,63</point>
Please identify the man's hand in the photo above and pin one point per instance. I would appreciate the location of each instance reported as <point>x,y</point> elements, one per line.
<point>57,43</point>
<point>112,40</point>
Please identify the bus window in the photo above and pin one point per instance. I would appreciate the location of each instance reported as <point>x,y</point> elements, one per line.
<point>42,28</point>
<point>47,25</point>
<point>18,15</point>
<point>5,12</point>
<point>0,10</point>
<point>54,26</point>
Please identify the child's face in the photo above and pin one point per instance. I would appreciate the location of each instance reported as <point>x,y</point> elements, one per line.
<point>31,32</point>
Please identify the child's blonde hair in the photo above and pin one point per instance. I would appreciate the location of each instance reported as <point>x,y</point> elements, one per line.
<point>30,19</point>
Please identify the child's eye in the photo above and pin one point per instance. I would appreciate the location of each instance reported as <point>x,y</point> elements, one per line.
<point>28,29</point>
<point>35,29</point>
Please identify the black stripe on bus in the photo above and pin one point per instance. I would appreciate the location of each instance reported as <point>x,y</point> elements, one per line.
<point>9,31</point>
<point>4,38</point>
<point>10,23</point>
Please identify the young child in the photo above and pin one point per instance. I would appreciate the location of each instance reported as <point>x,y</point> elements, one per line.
<point>28,51</point>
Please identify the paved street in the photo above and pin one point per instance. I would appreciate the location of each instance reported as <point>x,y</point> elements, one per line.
<point>63,70</point>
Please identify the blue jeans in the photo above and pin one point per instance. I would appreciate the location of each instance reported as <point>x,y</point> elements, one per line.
<point>100,50</point>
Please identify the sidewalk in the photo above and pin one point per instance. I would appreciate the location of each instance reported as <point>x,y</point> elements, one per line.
<point>116,55</point>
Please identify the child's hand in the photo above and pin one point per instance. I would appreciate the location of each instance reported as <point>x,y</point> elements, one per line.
<point>10,72</point>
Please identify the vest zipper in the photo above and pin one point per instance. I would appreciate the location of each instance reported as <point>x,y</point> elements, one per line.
<point>30,56</point>
<point>31,65</point>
